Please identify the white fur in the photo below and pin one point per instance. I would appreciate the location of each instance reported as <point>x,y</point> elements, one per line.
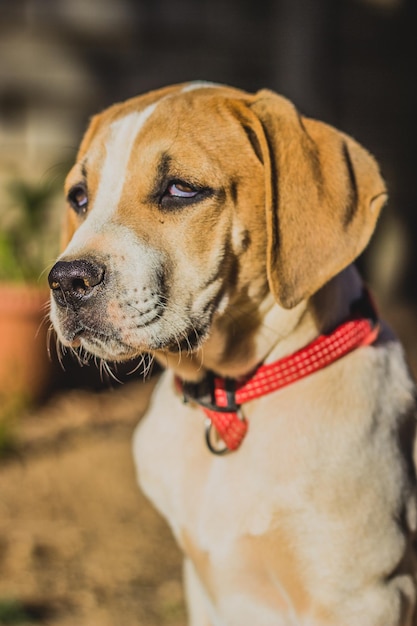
<point>122,136</point>
<point>199,84</point>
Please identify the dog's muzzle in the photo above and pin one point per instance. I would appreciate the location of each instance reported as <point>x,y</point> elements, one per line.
<point>73,283</point>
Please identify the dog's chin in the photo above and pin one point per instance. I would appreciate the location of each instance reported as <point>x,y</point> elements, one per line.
<point>111,348</point>
<point>189,342</point>
<point>100,347</point>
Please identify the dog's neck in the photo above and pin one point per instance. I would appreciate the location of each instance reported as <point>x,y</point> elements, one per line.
<point>233,352</point>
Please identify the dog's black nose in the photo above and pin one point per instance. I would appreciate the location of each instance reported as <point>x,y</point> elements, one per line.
<point>73,282</point>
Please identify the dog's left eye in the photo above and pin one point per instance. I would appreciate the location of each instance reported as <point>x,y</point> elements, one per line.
<point>181,190</point>
<point>178,193</point>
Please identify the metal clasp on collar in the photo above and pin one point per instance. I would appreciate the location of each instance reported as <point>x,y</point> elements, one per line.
<point>204,394</point>
<point>213,440</point>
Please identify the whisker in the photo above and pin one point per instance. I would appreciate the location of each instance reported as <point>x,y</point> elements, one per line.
<point>46,269</point>
<point>46,306</point>
<point>144,365</point>
<point>106,371</point>
<point>43,321</point>
<point>49,334</point>
<point>149,363</point>
<point>60,352</point>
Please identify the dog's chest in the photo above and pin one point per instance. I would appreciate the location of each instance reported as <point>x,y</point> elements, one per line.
<point>193,487</point>
<point>222,510</point>
<point>293,461</point>
<point>272,515</point>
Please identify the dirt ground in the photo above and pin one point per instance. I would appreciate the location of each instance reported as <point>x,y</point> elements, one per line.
<point>79,543</point>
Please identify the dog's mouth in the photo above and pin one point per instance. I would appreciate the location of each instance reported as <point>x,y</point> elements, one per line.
<point>189,341</point>
<point>125,325</point>
<point>103,345</point>
<point>112,344</point>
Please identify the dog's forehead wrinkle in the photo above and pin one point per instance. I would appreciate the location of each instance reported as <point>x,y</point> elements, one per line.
<point>84,168</point>
<point>163,167</point>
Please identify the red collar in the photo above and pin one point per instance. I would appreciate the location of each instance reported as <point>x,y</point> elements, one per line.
<point>221,398</point>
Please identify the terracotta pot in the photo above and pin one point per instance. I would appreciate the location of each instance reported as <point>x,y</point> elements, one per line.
<point>25,367</point>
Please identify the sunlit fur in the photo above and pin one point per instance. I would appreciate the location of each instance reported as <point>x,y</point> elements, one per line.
<point>312,521</point>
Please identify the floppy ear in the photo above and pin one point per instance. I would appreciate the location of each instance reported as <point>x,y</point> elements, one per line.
<point>324,193</point>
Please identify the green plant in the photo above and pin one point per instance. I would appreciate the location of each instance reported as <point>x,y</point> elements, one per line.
<point>8,442</point>
<point>24,249</point>
<point>12,612</point>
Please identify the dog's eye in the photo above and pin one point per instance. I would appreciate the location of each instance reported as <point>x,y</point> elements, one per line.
<point>78,199</point>
<point>181,190</point>
<point>178,194</point>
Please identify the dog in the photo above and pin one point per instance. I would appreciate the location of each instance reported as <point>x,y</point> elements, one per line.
<point>217,230</point>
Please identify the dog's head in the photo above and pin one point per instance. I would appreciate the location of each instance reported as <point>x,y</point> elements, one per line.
<point>188,205</point>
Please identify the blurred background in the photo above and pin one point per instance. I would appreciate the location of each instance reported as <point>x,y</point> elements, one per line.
<point>351,63</point>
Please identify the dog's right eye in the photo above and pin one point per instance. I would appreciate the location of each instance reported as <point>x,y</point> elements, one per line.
<point>78,199</point>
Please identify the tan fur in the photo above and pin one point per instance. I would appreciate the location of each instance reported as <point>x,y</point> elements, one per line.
<point>312,521</point>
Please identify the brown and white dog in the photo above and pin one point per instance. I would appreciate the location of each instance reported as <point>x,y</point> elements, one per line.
<point>216,229</point>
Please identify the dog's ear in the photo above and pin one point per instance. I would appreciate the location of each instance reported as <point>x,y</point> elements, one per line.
<point>323,196</point>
